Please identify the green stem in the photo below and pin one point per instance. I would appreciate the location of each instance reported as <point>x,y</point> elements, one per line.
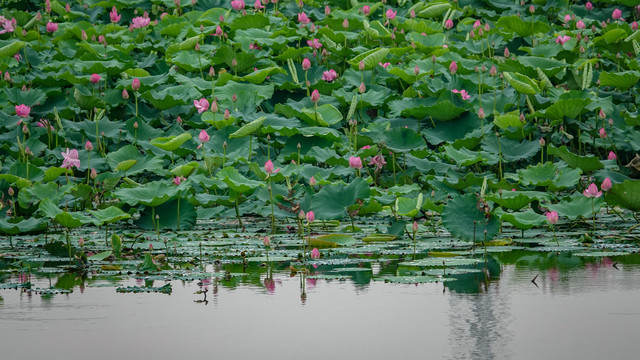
<point>273,217</point>
<point>178,216</point>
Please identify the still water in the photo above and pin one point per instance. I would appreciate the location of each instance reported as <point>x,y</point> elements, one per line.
<point>585,311</point>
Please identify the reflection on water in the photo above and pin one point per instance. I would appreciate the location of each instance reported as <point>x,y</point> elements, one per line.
<point>578,308</point>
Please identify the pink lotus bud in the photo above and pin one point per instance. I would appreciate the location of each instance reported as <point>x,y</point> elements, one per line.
<point>150,246</point>
<point>212,71</point>
<point>301,215</point>
<point>366,10</point>
<point>179,120</point>
<point>311,216</point>
<point>52,27</point>
<point>612,156</point>
<point>453,67</point>
<point>610,122</point>
<point>355,162</point>
<point>506,52</point>
<point>487,27</point>
<point>472,34</point>
<point>603,133</point>
<point>303,19</point>
<point>606,185</point>
<point>203,136</point>
<point>416,70</point>
<point>306,64</point>
<point>414,227</point>
<point>125,94</point>
<point>234,62</point>
<point>234,98</point>
<point>88,145</point>
<point>83,35</point>
<point>38,16</point>
<point>362,88</point>
<point>135,125</point>
<point>580,25</point>
<point>315,96</point>
<point>542,142</point>
<point>361,65</point>
<point>448,24</point>
<point>601,114</point>
<point>25,129</point>
<point>268,167</point>
<point>266,241</point>
<point>532,9</point>
<point>214,106</point>
<point>617,14</point>
<point>177,180</point>
<point>227,114</point>
<point>552,217</point>
<point>10,191</point>
<point>135,85</point>
<point>237,5</point>
<point>634,26</point>
<point>47,6</point>
<point>588,5</point>
<point>218,31</point>
<point>312,181</point>
<point>315,253</point>
<point>197,47</point>
<point>592,191</point>
<point>345,23</point>
<point>327,11</point>
<point>95,78</point>
<point>94,173</point>
<point>567,18</point>
<point>481,114</point>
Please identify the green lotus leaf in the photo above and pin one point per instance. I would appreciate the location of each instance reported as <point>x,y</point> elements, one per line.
<point>168,214</point>
<point>538,175</point>
<point>621,80</point>
<point>185,170</point>
<point>567,108</point>
<point>189,61</point>
<point>512,150</point>
<point>164,98</point>
<point>327,115</point>
<point>462,218</point>
<point>506,121</point>
<point>614,35</point>
<point>109,215</point>
<point>440,262</point>
<point>249,128</point>
<point>188,44</point>
<point>379,238</point>
<point>171,143</point>
<point>334,240</point>
<point>11,49</point>
<point>129,159</point>
<point>516,200</point>
<point>259,76</point>
<point>412,279</point>
<point>14,226</point>
<point>332,201</point>
<point>577,206</point>
<point>101,256</point>
<point>125,165</point>
<point>584,163</point>
<point>14,179</point>
<point>402,139</point>
<point>434,9</point>
<point>151,194</point>
<point>249,96</point>
<point>523,28</point>
<point>625,195</point>
<point>466,157</point>
<point>408,206</point>
<point>238,182</point>
<point>522,83</point>
<point>370,58</point>
<point>524,220</point>
<point>439,109</point>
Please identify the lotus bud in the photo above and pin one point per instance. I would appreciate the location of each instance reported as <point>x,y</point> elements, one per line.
<point>47,6</point>
<point>83,35</point>
<point>10,191</point>
<point>135,85</point>
<point>448,24</point>
<point>412,14</point>
<point>88,145</point>
<point>179,120</point>
<point>234,62</point>
<point>362,88</point>
<point>487,27</point>
<point>315,96</point>
<point>234,98</point>
<point>453,67</point>
<point>125,94</point>
<point>311,216</point>
<point>416,70</point>
<point>361,65</point>
<point>634,26</point>
<point>301,215</point>
<point>601,114</point>
<point>481,114</point>
<point>150,246</point>
<point>135,125</point>
<point>606,185</point>
<point>227,115</point>
<point>506,52</point>
<point>588,5</point>
<point>306,64</point>
<point>366,10</point>
<point>603,133</point>
<point>415,226</point>
<point>312,181</point>
<point>28,151</point>
<point>266,241</point>
<point>476,69</point>
<point>610,122</point>
<point>327,11</point>
<point>315,253</point>
<point>542,142</point>
<point>25,129</point>
<point>224,145</point>
<point>197,47</point>
<point>38,16</point>
<point>522,119</point>
<point>214,106</point>
<point>203,136</point>
<point>612,155</point>
<point>201,28</point>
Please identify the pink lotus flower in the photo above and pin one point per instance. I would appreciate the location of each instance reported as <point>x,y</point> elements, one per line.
<point>378,161</point>
<point>95,78</point>
<point>52,27</point>
<point>315,96</point>
<point>355,162</point>
<point>612,156</point>
<point>8,26</point>
<point>552,217</point>
<point>366,10</point>
<point>268,167</point>
<point>70,159</point>
<point>453,67</point>
<point>588,5</point>
<point>237,5</point>
<point>385,65</point>
<point>135,85</point>
<point>303,19</point>
<point>463,93</point>
<point>315,253</point>
<point>327,11</point>
<point>314,44</point>
<point>218,31</point>
<point>306,64</point>
<point>202,105</point>
<point>114,15</point>
<point>139,22</point>
<point>366,147</point>
<point>634,26</point>
<point>606,185</point>
<point>580,25</point>
<point>311,216</point>
<point>592,191</point>
<point>203,136</point>
<point>562,39</point>
<point>448,24</point>
<point>477,24</point>
<point>391,14</point>
<point>257,5</point>
<point>23,110</point>
<point>567,18</point>
<point>329,76</point>
<point>617,14</point>
<point>178,179</point>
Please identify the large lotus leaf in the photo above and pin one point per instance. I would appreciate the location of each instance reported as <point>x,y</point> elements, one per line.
<point>566,178</point>
<point>187,44</point>
<point>370,58</point>
<point>188,60</point>
<point>14,179</point>
<point>512,150</point>
<point>171,96</point>
<point>167,215</point>
<point>236,181</point>
<point>408,206</point>
<point>249,128</point>
<point>72,220</point>
<point>622,80</point>
<point>31,97</point>
<point>466,157</point>
<point>439,109</point>
<point>462,218</point>
<point>506,121</point>
<point>111,129</point>
<point>452,130</point>
<point>569,108</point>
<point>151,194</point>
<point>185,170</point>
<point>434,9</point>
<point>428,43</point>
<point>40,191</point>
<point>333,240</point>
<point>171,143</point>
<point>401,139</point>
<point>538,175</point>
<point>110,67</point>
<point>87,100</point>
<point>625,194</point>
<point>524,220</point>
<point>109,215</point>
<point>613,36</point>
<point>226,55</point>
<point>522,83</point>
<point>331,202</point>
<point>549,66</point>
<point>585,163</point>
<point>249,96</point>
<point>258,76</point>
<point>523,28</point>
<point>14,226</point>
<point>11,49</point>
<point>514,200</point>
<point>577,206</point>
<point>130,155</point>
<point>324,115</point>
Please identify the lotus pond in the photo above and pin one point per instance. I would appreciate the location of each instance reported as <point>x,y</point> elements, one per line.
<point>471,164</point>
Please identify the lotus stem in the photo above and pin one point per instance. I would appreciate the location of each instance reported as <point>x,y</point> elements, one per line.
<point>273,217</point>
<point>178,215</point>
<point>238,211</point>
<point>69,246</point>
<point>204,154</point>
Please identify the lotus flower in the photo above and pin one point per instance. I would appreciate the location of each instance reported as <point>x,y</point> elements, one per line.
<point>378,161</point>
<point>257,5</point>
<point>93,173</point>
<point>114,15</point>
<point>385,65</point>
<point>139,22</point>
<point>88,145</point>
<point>178,179</point>
<point>552,217</point>
<point>125,94</point>
<point>391,14</point>
<point>237,5</point>
<point>303,19</point>
<point>312,181</point>
<point>329,76</point>
<point>70,159</point>
<point>355,162</point>
<point>612,156</point>
<point>592,191</point>
<point>588,5</point>
<point>606,185</point>
<point>266,241</point>
<point>366,10</point>
<point>580,25</point>
<point>481,114</point>
<point>23,110</point>
<point>561,39</point>
<point>314,44</point>
<point>617,14</point>
<point>634,26</point>
<point>95,78</point>
<point>202,105</point>
<point>268,167</point>
<point>465,95</point>
<point>315,253</point>
<point>306,64</point>
<point>52,27</point>
<point>203,136</point>
<point>448,24</point>
<point>603,133</point>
